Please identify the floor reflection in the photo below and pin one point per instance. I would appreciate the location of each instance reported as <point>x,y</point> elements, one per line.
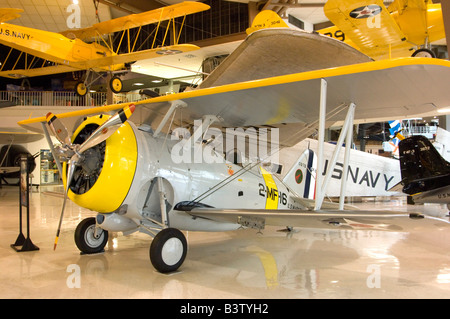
<point>304,263</point>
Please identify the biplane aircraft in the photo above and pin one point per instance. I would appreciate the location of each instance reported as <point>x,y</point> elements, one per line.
<point>153,167</point>
<point>92,48</point>
<point>404,28</point>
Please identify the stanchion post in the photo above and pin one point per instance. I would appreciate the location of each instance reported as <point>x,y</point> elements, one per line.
<point>22,243</point>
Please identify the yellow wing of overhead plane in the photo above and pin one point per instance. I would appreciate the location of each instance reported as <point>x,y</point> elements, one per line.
<point>368,24</point>
<point>7,14</point>
<point>137,20</point>
<point>380,32</point>
<point>381,90</point>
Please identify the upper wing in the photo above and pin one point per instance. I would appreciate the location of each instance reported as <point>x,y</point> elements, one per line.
<point>367,220</point>
<point>137,20</point>
<point>381,90</point>
<point>368,24</point>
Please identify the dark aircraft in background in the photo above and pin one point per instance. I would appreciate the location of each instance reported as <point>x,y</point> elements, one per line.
<point>425,174</point>
<point>10,153</point>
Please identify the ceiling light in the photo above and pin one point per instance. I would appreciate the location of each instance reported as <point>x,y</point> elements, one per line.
<point>157,81</point>
<point>138,84</point>
<point>445,110</point>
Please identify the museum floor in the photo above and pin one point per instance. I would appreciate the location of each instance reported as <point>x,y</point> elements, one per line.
<point>240,264</point>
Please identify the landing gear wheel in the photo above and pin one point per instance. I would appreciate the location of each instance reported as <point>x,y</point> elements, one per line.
<point>423,53</point>
<point>116,84</point>
<point>80,88</point>
<point>168,250</point>
<point>87,240</point>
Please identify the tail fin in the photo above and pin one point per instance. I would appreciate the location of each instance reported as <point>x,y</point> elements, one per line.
<point>420,160</point>
<point>266,19</point>
<point>7,14</point>
<point>302,176</point>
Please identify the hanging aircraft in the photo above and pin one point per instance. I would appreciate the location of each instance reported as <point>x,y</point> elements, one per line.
<point>425,174</point>
<point>404,28</point>
<point>91,49</point>
<point>159,165</point>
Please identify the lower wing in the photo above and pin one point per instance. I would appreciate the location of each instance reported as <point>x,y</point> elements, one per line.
<point>367,220</point>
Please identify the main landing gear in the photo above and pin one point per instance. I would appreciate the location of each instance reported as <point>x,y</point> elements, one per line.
<point>167,250</point>
<point>169,246</point>
<point>82,87</point>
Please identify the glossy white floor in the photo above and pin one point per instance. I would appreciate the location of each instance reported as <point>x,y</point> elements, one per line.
<point>241,264</point>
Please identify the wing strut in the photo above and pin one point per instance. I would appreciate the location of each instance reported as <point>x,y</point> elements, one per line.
<point>347,133</point>
<point>321,138</point>
<point>173,107</point>
<point>52,148</point>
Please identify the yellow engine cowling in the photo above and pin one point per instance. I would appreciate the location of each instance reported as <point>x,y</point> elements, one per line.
<point>102,181</point>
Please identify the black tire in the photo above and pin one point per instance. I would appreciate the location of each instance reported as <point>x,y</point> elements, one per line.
<point>115,84</point>
<point>168,250</point>
<point>84,237</point>
<point>424,53</point>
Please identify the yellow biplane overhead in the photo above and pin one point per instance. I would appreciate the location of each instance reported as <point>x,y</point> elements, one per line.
<point>404,28</point>
<point>92,48</point>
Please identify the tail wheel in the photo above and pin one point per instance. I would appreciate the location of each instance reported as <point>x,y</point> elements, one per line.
<point>88,239</point>
<point>80,88</point>
<point>168,250</point>
<point>116,84</point>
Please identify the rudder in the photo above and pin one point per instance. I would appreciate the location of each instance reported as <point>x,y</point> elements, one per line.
<point>266,19</point>
<point>302,176</point>
<point>420,160</point>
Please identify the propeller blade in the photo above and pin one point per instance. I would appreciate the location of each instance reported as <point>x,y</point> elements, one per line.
<point>58,128</point>
<point>99,135</point>
<point>71,170</point>
<point>108,128</point>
